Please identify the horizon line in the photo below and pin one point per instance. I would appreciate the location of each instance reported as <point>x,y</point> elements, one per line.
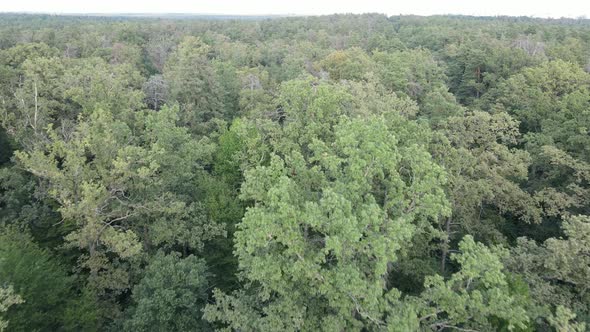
<point>581,17</point>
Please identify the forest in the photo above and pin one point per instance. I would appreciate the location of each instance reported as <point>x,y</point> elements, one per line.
<point>323,173</point>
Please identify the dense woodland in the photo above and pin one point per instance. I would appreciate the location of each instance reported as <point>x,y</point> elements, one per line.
<point>334,173</point>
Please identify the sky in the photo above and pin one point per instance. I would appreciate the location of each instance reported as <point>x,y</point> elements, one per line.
<point>536,8</point>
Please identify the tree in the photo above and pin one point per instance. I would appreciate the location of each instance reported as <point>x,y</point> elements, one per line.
<point>39,279</point>
<point>158,49</point>
<point>93,83</point>
<point>24,203</point>
<point>170,296</point>
<point>563,321</point>
<point>550,101</point>
<point>439,104</point>
<point>557,271</point>
<point>194,85</point>
<point>483,176</point>
<point>121,193</point>
<point>17,55</point>
<point>230,85</point>
<point>156,92</point>
<point>480,296</point>
<point>338,200</point>
<point>7,299</point>
<point>35,101</point>
<point>55,91</point>
<point>373,98</point>
<point>480,64</point>
<point>124,53</point>
<point>352,64</point>
<point>254,98</point>
<point>414,73</point>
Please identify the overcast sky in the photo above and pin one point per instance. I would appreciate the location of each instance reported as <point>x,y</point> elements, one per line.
<point>537,8</point>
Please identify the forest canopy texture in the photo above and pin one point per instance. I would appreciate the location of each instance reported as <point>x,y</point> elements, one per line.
<point>332,173</point>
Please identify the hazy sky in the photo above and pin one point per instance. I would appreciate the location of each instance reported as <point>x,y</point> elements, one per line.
<point>539,8</point>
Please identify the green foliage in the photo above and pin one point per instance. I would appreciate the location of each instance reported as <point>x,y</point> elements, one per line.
<point>23,203</point>
<point>332,210</point>
<point>120,193</point>
<point>17,55</point>
<point>194,85</point>
<point>92,83</point>
<point>557,271</point>
<point>7,299</point>
<point>484,169</point>
<point>352,64</point>
<point>563,321</point>
<point>478,296</point>
<point>170,296</point>
<point>39,279</point>
<point>478,65</point>
<point>412,72</point>
<point>54,91</point>
<point>550,102</point>
<point>299,173</point>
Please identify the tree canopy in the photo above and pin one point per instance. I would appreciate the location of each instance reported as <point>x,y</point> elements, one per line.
<point>331,173</point>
